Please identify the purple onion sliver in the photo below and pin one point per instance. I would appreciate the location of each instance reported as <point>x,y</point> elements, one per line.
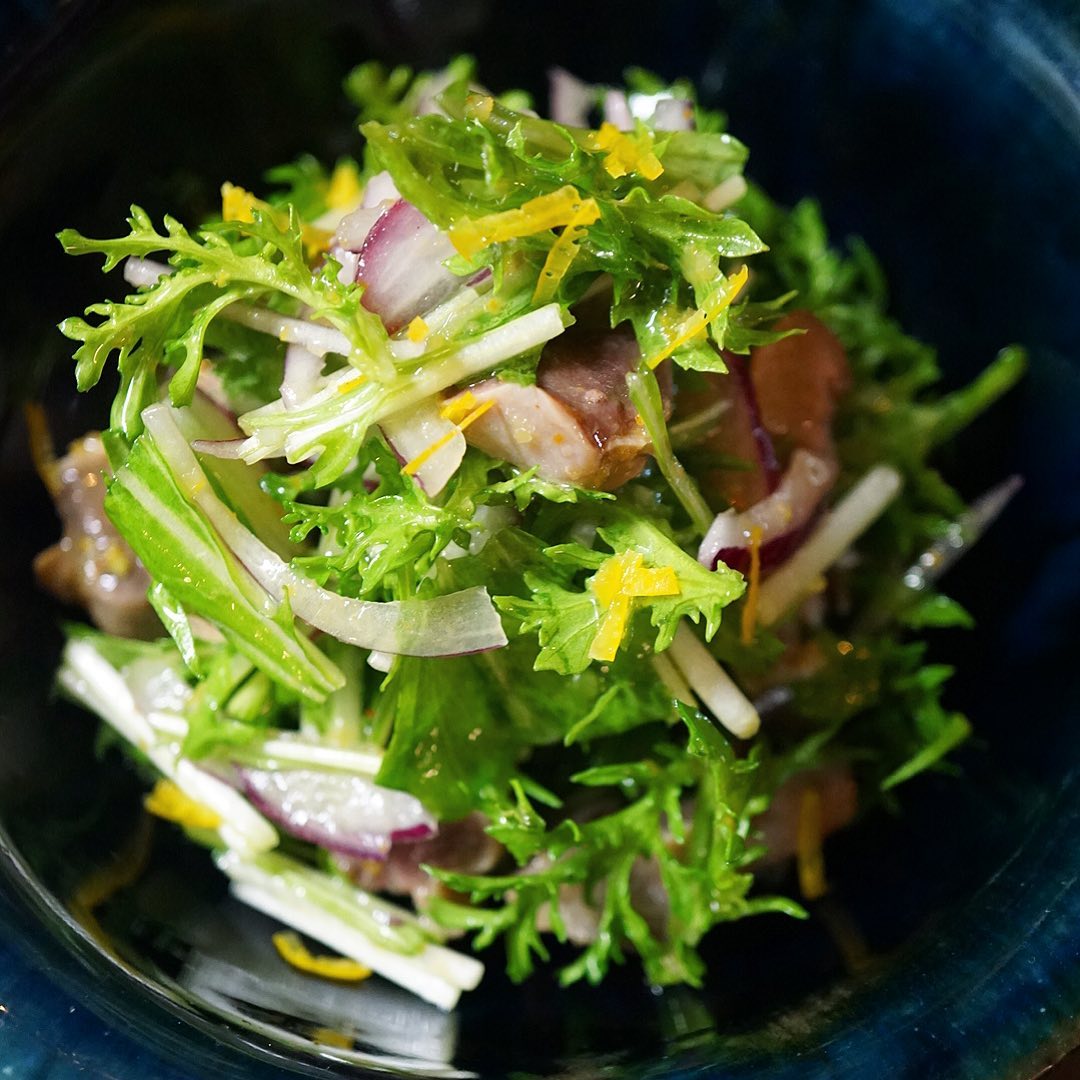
<point>772,553</point>
<point>342,812</point>
<point>763,443</point>
<point>219,448</point>
<point>401,266</point>
<point>373,848</point>
<point>783,517</point>
<point>413,835</point>
<point>479,277</point>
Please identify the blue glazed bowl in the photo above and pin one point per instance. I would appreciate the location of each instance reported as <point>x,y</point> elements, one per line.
<point>948,135</point>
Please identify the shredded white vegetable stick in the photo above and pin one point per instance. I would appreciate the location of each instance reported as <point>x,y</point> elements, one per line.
<point>314,337</point>
<point>713,686</point>
<point>672,679</point>
<point>436,974</point>
<point>90,678</point>
<point>846,522</point>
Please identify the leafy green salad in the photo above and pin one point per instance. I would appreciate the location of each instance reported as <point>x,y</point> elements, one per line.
<point>537,524</point>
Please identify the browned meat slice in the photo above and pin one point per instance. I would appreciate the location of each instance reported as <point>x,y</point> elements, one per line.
<point>462,846</point>
<point>91,565</point>
<point>798,382</point>
<point>734,473</point>
<point>576,424</point>
<point>527,427</point>
<point>784,398</point>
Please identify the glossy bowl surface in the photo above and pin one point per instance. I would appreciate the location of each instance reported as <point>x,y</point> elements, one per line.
<point>947,134</point>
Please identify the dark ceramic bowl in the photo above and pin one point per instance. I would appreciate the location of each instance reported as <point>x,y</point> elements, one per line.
<point>948,135</point>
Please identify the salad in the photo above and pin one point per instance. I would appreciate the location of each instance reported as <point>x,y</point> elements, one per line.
<point>524,532</point>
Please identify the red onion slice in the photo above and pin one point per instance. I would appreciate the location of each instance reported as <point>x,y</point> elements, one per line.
<point>782,517</point>
<point>414,434</point>
<point>481,275</point>
<point>401,266</point>
<point>762,441</point>
<point>227,449</point>
<point>339,811</point>
<point>617,110</point>
<point>569,98</point>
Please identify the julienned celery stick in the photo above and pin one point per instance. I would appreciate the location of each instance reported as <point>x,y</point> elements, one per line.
<point>524,638</point>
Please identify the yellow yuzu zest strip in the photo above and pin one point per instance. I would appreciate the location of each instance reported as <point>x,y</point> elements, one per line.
<point>315,240</point>
<point>476,414</point>
<point>459,407</point>
<point>332,1037</point>
<point>611,630</point>
<point>701,318</point>
<point>627,152</point>
<point>351,384</point>
<point>425,455</point>
<point>169,802</point>
<point>293,951</point>
<point>563,252</point>
<point>472,235</point>
<point>239,204</point>
<point>344,189</point>
<point>479,106</point>
<point>615,584</point>
<point>753,584</point>
<point>809,857</point>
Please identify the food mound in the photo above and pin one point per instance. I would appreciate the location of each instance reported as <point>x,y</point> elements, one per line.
<point>522,532</point>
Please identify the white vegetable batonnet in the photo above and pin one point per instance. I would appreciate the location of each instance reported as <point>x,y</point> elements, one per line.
<point>346,399</point>
<point>841,527</point>
<point>436,974</point>
<point>712,685</point>
<point>455,624</point>
<point>301,376</point>
<point>286,749</point>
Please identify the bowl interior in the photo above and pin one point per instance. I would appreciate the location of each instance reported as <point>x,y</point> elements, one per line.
<point>949,138</point>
